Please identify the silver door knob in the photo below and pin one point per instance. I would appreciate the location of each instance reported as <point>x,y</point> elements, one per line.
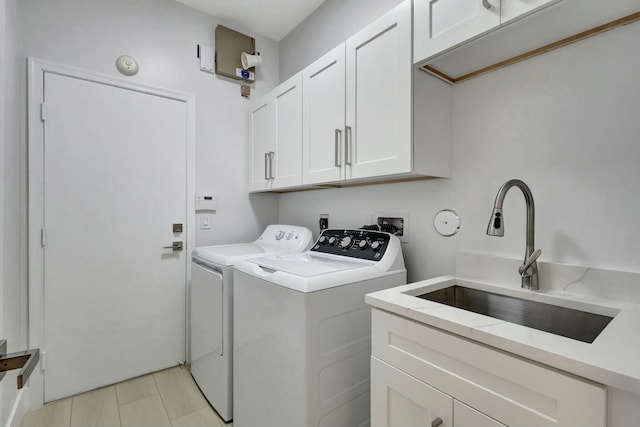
<point>437,422</point>
<point>175,246</point>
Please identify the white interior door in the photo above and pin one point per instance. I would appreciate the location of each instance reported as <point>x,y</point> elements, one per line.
<point>115,180</point>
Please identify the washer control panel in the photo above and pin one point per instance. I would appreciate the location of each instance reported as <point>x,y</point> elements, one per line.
<point>362,244</point>
<point>286,237</point>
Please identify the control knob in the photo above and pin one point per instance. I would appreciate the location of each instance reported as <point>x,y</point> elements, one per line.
<point>363,244</point>
<point>346,242</point>
<point>332,240</point>
<point>280,235</point>
<point>289,236</point>
<point>322,240</point>
<point>376,246</point>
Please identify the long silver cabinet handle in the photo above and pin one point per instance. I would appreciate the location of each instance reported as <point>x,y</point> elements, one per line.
<point>271,154</point>
<point>486,4</point>
<point>338,141</point>
<point>347,144</point>
<point>266,166</point>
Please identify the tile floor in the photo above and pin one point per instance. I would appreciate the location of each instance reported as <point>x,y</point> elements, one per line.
<point>166,398</point>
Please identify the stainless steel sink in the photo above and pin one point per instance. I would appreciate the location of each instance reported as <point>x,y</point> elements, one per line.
<point>567,322</point>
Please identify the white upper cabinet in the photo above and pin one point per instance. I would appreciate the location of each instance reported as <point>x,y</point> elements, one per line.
<point>378,134</point>
<point>358,104</point>
<point>262,136</point>
<point>366,115</point>
<point>287,99</point>
<point>275,141</point>
<point>515,9</point>
<point>440,25</point>
<point>323,118</point>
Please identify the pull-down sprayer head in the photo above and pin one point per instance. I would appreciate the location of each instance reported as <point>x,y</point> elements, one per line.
<point>496,224</point>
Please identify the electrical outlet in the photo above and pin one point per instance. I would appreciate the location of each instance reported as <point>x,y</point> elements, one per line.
<point>323,223</point>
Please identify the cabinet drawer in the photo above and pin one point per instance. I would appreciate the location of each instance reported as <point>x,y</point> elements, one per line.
<point>509,389</point>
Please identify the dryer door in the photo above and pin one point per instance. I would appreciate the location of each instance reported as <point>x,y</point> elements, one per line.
<point>206,312</point>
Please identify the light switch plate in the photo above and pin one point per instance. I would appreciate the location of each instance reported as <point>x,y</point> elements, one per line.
<point>205,221</point>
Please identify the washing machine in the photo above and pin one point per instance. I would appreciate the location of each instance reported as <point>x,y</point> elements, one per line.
<point>302,331</point>
<point>211,299</point>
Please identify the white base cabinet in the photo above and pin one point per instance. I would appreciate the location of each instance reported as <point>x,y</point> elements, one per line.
<point>421,374</point>
<point>400,400</point>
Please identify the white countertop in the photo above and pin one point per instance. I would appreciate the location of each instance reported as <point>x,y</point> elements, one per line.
<point>613,359</point>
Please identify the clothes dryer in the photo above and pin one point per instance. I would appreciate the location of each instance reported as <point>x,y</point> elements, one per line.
<point>302,331</point>
<point>212,302</point>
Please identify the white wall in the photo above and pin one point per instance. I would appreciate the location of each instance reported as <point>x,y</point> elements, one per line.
<point>3,6</point>
<point>162,35</point>
<point>329,25</point>
<point>565,122</point>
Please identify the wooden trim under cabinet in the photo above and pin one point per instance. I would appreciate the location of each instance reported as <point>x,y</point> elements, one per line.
<point>535,52</point>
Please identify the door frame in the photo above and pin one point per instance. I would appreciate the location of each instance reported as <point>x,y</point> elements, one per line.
<point>35,90</point>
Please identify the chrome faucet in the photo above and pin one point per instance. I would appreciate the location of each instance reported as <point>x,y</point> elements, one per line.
<point>529,269</point>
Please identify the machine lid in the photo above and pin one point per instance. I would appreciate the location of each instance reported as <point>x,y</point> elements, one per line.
<point>230,254</point>
<point>276,238</point>
<point>306,264</point>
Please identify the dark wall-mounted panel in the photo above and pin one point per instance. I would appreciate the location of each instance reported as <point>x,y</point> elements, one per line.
<point>229,45</point>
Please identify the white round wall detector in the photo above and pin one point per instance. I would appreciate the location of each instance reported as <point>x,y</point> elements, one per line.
<point>127,65</point>
<point>446,222</point>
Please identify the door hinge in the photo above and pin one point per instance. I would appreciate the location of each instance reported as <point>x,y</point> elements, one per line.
<point>43,360</point>
<point>43,237</point>
<point>43,111</point>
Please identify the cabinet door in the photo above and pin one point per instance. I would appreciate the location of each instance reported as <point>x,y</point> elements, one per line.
<point>469,417</point>
<point>286,161</point>
<point>378,133</point>
<point>510,389</point>
<point>515,9</point>
<point>261,143</point>
<point>400,400</point>
<point>442,24</point>
<point>323,118</point>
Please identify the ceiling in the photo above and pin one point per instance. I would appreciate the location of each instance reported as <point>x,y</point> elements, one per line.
<point>273,18</point>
